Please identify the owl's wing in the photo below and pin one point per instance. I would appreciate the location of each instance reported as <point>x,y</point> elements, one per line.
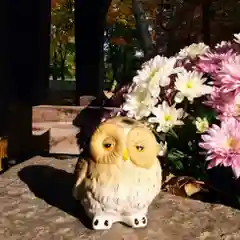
<point>79,174</point>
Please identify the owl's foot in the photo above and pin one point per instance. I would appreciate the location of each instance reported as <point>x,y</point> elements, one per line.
<point>102,222</point>
<point>136,221</point>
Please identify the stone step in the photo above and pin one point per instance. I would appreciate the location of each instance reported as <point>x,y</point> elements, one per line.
<point>50,113</point>
<point>58,122</point>
<point>61,137</point>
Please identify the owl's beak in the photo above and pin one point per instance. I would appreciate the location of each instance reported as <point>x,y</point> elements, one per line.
<point>125,155</point>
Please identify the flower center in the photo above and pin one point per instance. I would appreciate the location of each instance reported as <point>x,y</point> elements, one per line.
<point>237,104</point>
<point>153,73</point>
<point>152,79</point>
<point>237,109</point>
<point>167,118</point>
<point>233,143</point>
<point>190,84</point>
<point>142,96</point>
<point>202,127</point>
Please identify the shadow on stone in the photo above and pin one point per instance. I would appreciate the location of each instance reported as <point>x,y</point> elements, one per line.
<point>87,121</point>
<point>54,186</point>
<point>89,118</point>
<point>226,185</point>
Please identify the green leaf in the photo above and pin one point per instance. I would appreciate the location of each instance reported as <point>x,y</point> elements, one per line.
<point>175,154</point>
<point>173,133</point>
<point>178,165</point>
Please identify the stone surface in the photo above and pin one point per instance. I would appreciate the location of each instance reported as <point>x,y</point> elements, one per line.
<point>36,203</point>
<point>58,122</point>
<point>50,113</point>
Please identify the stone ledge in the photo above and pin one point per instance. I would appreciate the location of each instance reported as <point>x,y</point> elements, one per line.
<point>58,120</point>
<point>36,203</point>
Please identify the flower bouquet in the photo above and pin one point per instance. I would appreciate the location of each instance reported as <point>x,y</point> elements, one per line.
<point>191,101</point>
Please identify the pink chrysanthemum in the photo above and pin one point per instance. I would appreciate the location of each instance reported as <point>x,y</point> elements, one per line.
<point>211,61</point>
<point>228,78</point>
<point>226,104</point>
<point>223,47</point>
<point>223,145</point>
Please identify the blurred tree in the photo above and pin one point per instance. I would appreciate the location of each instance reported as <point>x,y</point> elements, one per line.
<point>62,49</point>
<point>142,26</point>
<point>121,12</point>
<point>135,31</point>
<point>128,39</point>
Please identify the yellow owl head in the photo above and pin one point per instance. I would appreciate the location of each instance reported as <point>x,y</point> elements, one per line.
<point>124,139</point>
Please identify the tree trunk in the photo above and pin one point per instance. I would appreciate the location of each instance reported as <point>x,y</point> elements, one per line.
<point>63,55</point>
<point>90,19</point>
<point>178,19</point>
<point>4,73</point>
<point>206,22</point>
<point>54,66</point>
<point>163,16</point>
<point>143,31</point>
<point>115,62</point>
<point>28,31</point>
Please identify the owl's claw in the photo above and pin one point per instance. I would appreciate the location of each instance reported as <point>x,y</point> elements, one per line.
<point>137,221</point>
<point>102,222</point>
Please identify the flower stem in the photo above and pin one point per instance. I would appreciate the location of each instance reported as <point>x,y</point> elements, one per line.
<point>185,105</point>
<point>161,137</point>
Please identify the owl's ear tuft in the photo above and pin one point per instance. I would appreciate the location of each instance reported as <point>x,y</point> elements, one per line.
<point>128,121</point>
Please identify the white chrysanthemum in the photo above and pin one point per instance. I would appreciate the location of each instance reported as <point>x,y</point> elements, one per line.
<point>237,37</point>
<point>191,85</point>
<point>139,103</point>
<point>166,117</point>
<point>155,74</point>
<point>202,124</point>
<point>193,50</point>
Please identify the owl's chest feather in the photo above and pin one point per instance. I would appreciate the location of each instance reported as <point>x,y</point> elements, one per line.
<point>126,187</point>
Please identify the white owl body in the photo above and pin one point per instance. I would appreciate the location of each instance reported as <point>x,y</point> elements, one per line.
<point>125,193</point>
<point>121,175</point>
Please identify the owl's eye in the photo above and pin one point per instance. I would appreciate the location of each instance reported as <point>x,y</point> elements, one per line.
<point>139,148</point>
<point>108,143</point>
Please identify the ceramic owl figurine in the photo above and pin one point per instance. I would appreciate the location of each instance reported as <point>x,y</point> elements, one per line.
<point>119,175</point>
